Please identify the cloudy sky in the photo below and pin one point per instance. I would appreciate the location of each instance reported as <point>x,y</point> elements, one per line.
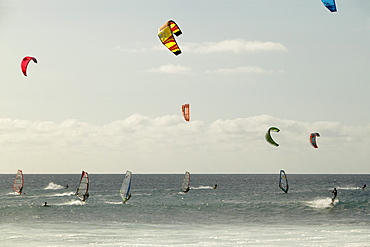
<point>105,95</point>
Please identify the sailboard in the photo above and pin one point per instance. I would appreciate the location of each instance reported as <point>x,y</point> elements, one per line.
<point>186,182</point>
<point>18,182</point>
<point>83,187</point>
<point>283,182</point>
<point>126,186</point>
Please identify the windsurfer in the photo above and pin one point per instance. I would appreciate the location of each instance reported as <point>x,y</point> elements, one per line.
<point>85,197</point>
<point>334,194</point>
<point>363,187</point>
<point>186,190</point>
<point>20,190</point>
<point>126,199</point>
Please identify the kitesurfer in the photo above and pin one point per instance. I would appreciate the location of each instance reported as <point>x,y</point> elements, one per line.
<point>363,187</point>
<point>46,205</point>
<point>334,194</point>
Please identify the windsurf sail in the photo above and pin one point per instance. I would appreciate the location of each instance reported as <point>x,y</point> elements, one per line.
<point>83,187</point>
<point>18,182</point>
<point>186,182</point>
<point>283,181</point>
<point>126,186</point>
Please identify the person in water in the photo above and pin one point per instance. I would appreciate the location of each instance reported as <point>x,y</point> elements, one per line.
<point>363,187</point>
<point>334,194</point>
<point>46,205</point>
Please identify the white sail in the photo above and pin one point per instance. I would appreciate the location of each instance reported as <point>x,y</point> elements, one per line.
<point>283,181</point>
<point>185,182</point>
<point>83,187</point>
<point>126,186</point>
<point>18,182</point>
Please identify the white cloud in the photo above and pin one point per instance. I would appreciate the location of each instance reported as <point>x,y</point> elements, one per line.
<point>169,144</point>
<point>243,70</point>
<point>236,46</point>
<point>171,69</point>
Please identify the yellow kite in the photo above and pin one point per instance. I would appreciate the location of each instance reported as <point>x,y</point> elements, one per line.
<point>165,34</point>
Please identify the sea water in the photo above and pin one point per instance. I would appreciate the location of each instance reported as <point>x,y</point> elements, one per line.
<point>244,210</point>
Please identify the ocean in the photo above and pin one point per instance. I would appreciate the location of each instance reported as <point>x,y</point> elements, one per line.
<point>244,210</point>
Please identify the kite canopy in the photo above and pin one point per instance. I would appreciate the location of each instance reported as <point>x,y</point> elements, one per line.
<point>313,139</point>
<point>25,62</point>
<point>330,5</point>
<point>269,138</point>
<point>185,109</point>
<point>165,34</point>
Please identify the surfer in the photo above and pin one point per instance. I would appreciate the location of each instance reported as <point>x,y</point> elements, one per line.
<point>46,205</point>
<point>334,194</point>
<point>215,187</point>
<point>363,187</point>
<point>66,187</point>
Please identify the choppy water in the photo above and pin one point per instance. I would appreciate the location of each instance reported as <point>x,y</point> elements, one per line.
<point>245,210</point>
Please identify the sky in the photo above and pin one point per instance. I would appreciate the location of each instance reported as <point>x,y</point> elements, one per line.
<point>106,95</point>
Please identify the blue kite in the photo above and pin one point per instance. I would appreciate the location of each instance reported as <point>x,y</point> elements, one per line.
<point>330,4</point>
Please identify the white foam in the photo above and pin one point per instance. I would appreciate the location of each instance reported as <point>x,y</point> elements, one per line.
<point>202,188</point>
<point>115,203</point>
<point>13,193</point>
<point>349,188</point>
<point>73,202</point>
<point>65,194</point>
<point>321,203</point>
<point>53,186</point>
